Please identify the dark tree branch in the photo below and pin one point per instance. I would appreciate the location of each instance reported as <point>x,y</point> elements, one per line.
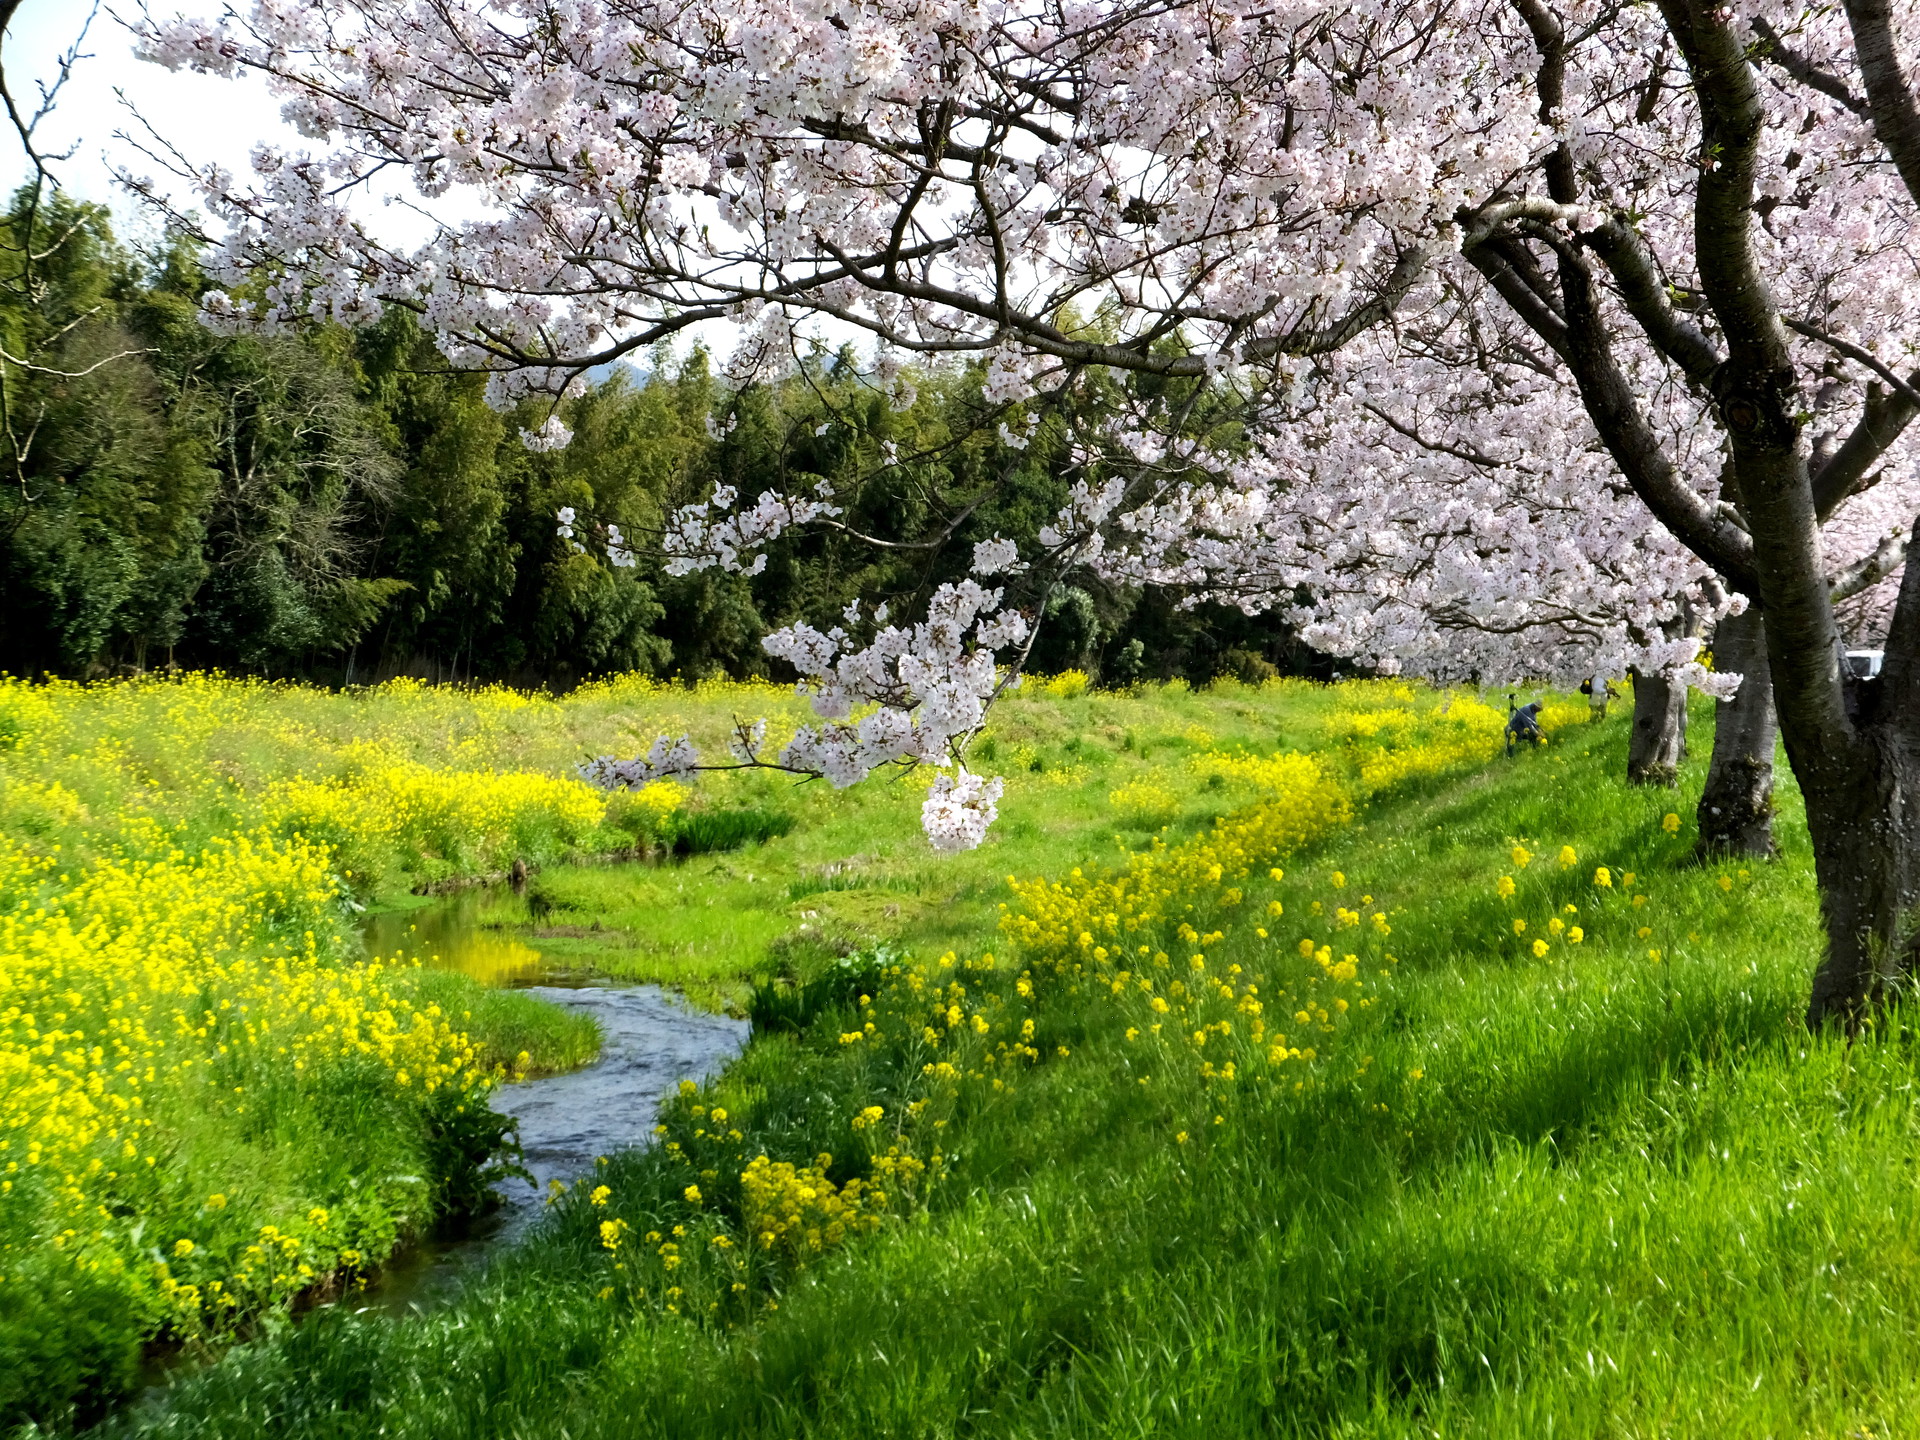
<point>1896,118</point>
<point>1551,81</point>
<point>1757,395</point>
<point>1869,571</point>
<point>1843,475</point>
<point>1645,292</point>
<point>1804,70</point>
<point>1855,353</point>
<point>1491,260</point>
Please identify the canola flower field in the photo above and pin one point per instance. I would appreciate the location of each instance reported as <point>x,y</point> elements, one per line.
<point>213,1106</point>
<point>1289,1063</point>
<point>1359,1084</point>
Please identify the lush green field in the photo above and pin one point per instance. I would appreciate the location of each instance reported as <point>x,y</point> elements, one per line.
<point>1089,775</point>
<point>1436,1175</point>
<point>214,1105</point>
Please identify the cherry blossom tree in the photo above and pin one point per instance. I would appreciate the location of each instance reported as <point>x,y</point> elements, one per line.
<point>1699,220</point>
<point>1767,263</point>
<point>1468,524</point>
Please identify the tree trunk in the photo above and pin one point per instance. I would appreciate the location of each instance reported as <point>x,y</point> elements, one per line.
<point>1866,855</point>
<point>1659,740</point>
<point>1736,808</point>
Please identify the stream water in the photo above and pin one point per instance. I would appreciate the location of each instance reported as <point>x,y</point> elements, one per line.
<point>650,1042</point>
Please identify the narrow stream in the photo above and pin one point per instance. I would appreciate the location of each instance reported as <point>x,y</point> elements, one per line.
<point>651,1041</point>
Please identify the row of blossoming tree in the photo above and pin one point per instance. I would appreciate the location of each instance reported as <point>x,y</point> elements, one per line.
<point>1559,334</point>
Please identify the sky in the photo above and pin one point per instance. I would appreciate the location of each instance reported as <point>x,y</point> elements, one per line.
<point>208,119</point>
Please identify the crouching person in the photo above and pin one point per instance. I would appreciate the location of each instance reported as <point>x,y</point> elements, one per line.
<point>1524,725</point>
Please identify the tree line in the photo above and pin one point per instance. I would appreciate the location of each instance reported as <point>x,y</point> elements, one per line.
<point>337,505</point>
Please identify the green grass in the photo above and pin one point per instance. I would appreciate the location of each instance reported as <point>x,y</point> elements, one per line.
<point>1593,1194</point>
<point>854,869</point>
<point>514,1031</point>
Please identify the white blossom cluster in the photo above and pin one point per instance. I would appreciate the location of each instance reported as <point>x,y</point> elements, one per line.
<point>669,758</point>
<point>634,167</point>
<point>998,556</point>
<point>1514,553</point>
<point>618,554</point>
<point>553,434</point>
<point>930,684</point>
<point>959,809</point>
<point>716,532</point>
<point>924,689</point>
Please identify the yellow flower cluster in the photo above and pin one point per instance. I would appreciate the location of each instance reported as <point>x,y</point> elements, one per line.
<point>1607,892</point>
<point>1420,736</point>
<point>403,778</point>
<point>138,993</point>
<point>179,988</point>
<point>1064,686</point>
<point>1144,804</point>
<point>648,809</point>
<point>384,805</point>
<point>797,1209</point>
<point>635,689</point>
<point>1300,802</point>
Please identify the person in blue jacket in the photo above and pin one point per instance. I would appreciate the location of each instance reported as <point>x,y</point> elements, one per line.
<point>1524,724</point>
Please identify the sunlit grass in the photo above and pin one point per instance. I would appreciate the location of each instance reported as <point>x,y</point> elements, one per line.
<point>1611,1187</point>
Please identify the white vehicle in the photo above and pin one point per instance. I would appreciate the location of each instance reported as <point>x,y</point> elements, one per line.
<point>1864,664</point>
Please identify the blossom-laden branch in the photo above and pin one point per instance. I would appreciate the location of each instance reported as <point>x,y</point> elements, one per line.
<point>928,686</point>
<point>1454,259</point>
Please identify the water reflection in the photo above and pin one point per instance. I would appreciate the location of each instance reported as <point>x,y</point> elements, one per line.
<point>466,931</point>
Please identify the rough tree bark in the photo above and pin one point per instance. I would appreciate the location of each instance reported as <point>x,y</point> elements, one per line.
<point>1859,764</point>
<point>1736,807</point>
<point>1658,743</point>
<point>1855,773</point>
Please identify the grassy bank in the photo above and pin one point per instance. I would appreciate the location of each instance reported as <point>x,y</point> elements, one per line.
<point>1488,1115</point>
<point>1089,775</point>
<point>213,1102</point>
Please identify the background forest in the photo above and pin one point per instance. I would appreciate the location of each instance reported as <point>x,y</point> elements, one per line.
<point>333,505</point>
